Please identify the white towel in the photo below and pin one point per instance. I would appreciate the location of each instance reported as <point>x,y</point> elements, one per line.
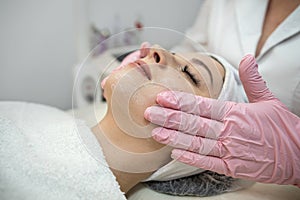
<point>43,156</point>
<point>232,90</point>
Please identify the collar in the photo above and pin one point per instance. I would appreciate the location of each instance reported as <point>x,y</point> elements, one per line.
<point>250,19</point>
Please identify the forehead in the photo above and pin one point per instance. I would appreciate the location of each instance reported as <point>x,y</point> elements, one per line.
<point>194,58</point>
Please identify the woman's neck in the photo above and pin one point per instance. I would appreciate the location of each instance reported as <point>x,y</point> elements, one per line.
<point>128,180</point>
<point>130,159</point>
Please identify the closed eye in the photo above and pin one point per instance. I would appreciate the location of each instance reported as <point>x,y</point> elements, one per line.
<point>186,70</point>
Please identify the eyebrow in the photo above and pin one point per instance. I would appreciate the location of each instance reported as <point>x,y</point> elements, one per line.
<point>199,62</point>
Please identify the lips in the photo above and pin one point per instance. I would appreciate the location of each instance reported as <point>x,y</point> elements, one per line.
<point>144,68</point>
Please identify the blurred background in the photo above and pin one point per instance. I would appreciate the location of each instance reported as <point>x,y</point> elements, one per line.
<point>43,41</point>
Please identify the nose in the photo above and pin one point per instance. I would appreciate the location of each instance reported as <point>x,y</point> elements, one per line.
<point>154,54</point>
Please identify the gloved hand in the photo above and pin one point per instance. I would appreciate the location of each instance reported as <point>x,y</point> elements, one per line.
<point>142,52</point>
<point>258,141</point>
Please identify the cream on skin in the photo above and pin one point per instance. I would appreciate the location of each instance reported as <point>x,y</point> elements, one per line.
<point>158,70</point>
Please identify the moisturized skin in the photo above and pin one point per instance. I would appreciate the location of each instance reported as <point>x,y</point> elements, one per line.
<point>156,71</point>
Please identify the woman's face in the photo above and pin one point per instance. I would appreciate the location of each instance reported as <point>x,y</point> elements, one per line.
<point>135,86</point>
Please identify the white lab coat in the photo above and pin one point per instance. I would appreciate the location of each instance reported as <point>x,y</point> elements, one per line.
<point>232,28</point>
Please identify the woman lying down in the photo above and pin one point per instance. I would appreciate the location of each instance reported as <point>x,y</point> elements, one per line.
<point>46,154</point>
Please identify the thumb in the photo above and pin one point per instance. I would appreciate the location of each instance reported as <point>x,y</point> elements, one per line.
<point>255,87</point>
<point>130,58</point>
<point>144,49</point>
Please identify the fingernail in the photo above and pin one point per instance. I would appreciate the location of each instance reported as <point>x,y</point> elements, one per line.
<point>160,135</point>
<point>167,96</point>
<point>155,114</point>
<point>151,112</point>
<point>147,114</point>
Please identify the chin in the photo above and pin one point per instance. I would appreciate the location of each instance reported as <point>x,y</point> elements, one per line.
<point>138,103</point>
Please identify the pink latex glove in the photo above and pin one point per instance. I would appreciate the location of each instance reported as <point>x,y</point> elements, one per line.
<point>142,52</point>
<point>258,141</point>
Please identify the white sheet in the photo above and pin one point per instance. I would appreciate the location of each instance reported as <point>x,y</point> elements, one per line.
<point>43,156</point>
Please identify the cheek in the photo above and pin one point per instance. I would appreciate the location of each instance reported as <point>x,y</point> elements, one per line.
<point>111,82</point>
<point>203,91</point>
<point>133,93</point>
<point>142,98</point>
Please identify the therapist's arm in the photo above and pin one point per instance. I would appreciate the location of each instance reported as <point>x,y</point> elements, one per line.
<point>259,140</point>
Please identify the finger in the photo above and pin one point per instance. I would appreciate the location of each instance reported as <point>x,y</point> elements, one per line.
<point>144,49</point>
<point>190,103</point>
<point>103,82</point>
<point>181,140</point>
<point>188,123</point>
<point>205,162</point>
<point>254,85</point>
<point>128,59</point>
<point>134,56</point>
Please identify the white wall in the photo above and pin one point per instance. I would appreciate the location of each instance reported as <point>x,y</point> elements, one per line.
<point>37,51</point>
<point>38,40</point>
<point>173,14</point>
